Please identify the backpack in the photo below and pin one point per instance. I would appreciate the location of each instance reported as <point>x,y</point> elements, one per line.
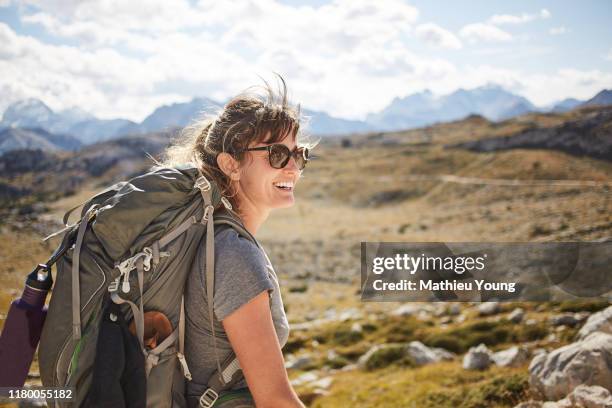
<point>130,253</point>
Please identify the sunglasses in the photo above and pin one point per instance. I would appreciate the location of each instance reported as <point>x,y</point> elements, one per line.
<point>279,155</point>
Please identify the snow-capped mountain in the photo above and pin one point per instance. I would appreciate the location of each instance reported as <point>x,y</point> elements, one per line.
<point>419,109</point>
<point>424,108</point>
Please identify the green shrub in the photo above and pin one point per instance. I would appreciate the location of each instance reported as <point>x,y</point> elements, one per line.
<point>294,344</point>
<point>533,332</point>
<point>499,391</point>
<point>345,337</point>
<point>446,342</point>
<point>298,289</point>
<point>591,306</point>
<point>387,356</point>
<point>337,362</point>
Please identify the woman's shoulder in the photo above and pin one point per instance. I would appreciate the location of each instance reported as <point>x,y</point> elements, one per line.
<point>231,246</point>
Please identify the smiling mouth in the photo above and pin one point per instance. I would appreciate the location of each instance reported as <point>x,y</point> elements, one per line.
<point>285,186</point>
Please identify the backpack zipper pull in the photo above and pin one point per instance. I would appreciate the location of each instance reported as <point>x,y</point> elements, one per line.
<point>125,286</point>
<point>183,362</point>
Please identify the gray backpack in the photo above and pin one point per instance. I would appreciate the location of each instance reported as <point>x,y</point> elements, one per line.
<point>134,246</point>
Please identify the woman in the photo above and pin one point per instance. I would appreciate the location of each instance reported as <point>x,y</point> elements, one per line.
<point>251,151</point>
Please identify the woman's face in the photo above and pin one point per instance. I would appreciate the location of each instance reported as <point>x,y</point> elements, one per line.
<point>258,183</point>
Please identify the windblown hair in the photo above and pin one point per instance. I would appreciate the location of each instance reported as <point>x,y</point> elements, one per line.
<point>248,117</point>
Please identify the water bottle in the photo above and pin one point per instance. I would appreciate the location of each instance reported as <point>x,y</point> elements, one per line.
<point>22,328</point>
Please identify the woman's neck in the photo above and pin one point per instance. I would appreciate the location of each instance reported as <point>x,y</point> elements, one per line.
<point>252,217</point>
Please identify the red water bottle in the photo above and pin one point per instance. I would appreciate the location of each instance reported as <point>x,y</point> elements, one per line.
<point>22,328</point>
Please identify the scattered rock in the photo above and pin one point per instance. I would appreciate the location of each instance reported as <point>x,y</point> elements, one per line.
<point>356,328</point>
<point>529,404</point>
<point>454,310</point>
<point>512,357</point>
<point>406,310</point>
<point>566,319</point>
<point>322,383</point>
<point>517,315</point>
<point>488,308</point>
<point>598,322</point>
<point>298,363</point>
<point>477,358</point>
<point>304,378</point>
<point>421,354</point>
<point>446,320</point>
<point>556,374</point>
<point>381,355</point>
<point>592,396</point>
<point>350,314</point>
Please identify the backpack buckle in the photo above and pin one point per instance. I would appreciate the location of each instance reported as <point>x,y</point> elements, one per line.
<point>207,211</point>
<point>208,398</point>
<point>202,183</point>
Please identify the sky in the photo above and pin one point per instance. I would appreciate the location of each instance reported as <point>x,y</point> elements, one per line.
<point>117,58</point>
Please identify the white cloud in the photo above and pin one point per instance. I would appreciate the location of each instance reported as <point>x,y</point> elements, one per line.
<point>437,36</point>
<point>132,57</point>
<point>347,57</point>
<point>484,32</point>
<point>499,19</point>
<point>557,30</point>
<point>5,3</point>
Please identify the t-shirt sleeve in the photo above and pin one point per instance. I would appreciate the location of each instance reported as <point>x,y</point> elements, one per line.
<point>240,273</point>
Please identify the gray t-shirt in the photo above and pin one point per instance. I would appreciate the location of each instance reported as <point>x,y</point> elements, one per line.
<point>242,271</point>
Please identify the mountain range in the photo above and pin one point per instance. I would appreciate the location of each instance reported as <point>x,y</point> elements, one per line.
<point>68,129</point>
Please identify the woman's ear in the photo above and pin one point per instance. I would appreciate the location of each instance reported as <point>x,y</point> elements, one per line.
<point>229,165</point>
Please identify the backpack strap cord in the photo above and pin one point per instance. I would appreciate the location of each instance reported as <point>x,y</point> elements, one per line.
<point>76,292</point>
<point>181,335</point>
<point>152,356</point>
<point>137,311</point>
<point>206,190</point>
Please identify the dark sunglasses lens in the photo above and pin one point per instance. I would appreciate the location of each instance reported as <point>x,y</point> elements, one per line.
<point>279,156</point>
<point>301,157</point>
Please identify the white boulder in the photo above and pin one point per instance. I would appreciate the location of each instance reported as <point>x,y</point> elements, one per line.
<point>554,375</point>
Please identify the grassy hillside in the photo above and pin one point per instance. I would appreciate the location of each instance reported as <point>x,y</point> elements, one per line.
<point>401,186</point>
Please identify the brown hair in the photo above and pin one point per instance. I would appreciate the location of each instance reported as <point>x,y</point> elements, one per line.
<point>246,118</point>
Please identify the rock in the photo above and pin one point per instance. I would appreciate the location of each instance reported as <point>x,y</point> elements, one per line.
<point>454,310</point>
<point>556,374</point>
<point>592,396</point>
<point>356,328</point>
<point>512,357</point>
<point>349,314</point>
<point>583,396</point>
<point>406,310</point>
<point>304,378</point>
<point>529,404</point>
<point>364,360</point>
<point>421,354</point>
<point>565,319</point>
<point>598,322</point>
<point>477,358</point>
<point>488,308</point>
<point>517,315</point>
<point>349,367</point>
<point>298,363</point>
<point>322,383</point>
